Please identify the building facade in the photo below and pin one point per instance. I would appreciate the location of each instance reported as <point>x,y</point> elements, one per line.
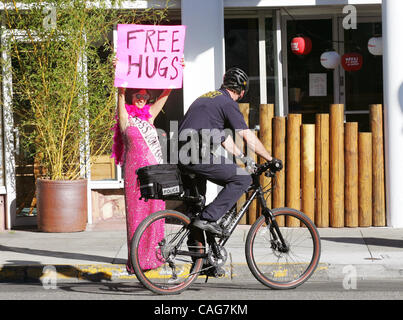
<point>256,36</point>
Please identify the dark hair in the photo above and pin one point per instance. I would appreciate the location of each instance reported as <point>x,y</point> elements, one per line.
<point>236,79</point>
<point>131,91</point>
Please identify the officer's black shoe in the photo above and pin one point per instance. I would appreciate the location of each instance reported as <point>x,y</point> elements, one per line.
<point>208,226</point>
<point>210,271</point>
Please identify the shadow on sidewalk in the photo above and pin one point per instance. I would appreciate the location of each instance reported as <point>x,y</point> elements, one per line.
<point>63,255</point>
<point>380,242</point>
<point>33,272</point>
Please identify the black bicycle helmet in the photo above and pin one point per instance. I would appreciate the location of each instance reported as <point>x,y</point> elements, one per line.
<point>236,79</point>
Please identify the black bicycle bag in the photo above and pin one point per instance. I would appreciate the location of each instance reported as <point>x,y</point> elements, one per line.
<point>160,181</point>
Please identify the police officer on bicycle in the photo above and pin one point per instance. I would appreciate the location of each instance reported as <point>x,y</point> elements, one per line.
<point>208,124</point>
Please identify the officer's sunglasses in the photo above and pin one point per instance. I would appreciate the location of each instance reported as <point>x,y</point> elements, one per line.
<point>142,96</point>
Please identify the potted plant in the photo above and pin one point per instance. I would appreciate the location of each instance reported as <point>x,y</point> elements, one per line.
<point>64,102</point>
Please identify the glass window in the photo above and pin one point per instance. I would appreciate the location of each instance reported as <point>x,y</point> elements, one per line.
<point>365,86</point>
<point>241,50</point>
<point>270,61</point>
<point>25,164</point>
<point>304,70</point>
<point>103,166</point>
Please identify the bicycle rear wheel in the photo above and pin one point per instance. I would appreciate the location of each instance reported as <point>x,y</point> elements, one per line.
<point>176,271</point>
<point>280,267</point>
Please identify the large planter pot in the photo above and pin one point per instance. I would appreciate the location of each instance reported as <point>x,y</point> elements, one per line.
<point>61,205</point>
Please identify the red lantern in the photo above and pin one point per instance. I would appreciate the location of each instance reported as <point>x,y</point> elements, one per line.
<point>351,61</point>
<point>301,45</point>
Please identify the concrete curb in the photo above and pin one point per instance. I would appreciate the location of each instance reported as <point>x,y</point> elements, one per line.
<point>63,273</point>
<point>234,271</point>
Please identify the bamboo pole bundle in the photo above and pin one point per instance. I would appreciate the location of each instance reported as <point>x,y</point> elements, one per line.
<point>365,179</point>
<point>336,139</point>
<point>266,115</point>
<point>351,174</point>
<point>244,107</point>
<point>308,170</point>
<point>253,208</point>
<point>293,165</point>
<point>322,170</point>
<point>279,153</point>
<point>378,176</point>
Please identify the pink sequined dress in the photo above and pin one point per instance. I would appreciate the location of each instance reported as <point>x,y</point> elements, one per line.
<point>141,148</point>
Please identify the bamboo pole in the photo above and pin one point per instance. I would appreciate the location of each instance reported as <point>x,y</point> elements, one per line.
<point>351,174</point>
<point>253,208</point>
<point>308,170</point>
<point>293,165</point>
<point>365,179</point>
<point>3,218</point>
<point>279,153</point>
<point>322,170</point>
<point>244,107</point>
<point>336,139</point>
<point>266,115</point>
<point>378,176</point>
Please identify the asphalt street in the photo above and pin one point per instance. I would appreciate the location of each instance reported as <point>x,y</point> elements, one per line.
<point>214,290</point>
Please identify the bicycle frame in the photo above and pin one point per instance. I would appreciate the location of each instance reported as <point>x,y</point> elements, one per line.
<point>257,193</point>
<point>266,212</point>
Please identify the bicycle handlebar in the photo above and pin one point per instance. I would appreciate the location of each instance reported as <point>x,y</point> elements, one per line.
<point>273,166</point>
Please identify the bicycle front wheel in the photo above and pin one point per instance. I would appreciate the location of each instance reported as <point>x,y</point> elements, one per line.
<point>164,264</point>
<point>288,264</point>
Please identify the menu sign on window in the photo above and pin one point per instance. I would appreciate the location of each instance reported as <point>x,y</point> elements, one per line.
<point>317,85</point>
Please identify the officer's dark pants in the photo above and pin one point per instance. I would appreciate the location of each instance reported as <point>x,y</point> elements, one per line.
<point>234,180</point>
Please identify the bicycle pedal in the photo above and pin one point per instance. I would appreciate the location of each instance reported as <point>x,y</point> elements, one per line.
<point>215,272</point>
<point>173,280</point>
<point>220,273</point>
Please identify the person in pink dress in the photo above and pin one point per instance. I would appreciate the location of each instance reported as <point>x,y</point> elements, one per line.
<point>136,145</point>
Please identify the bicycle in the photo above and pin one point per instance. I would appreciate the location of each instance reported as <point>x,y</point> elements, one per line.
<point>278,256</point>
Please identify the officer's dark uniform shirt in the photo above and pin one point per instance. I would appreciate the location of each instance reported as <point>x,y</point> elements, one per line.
<point>214,110</point>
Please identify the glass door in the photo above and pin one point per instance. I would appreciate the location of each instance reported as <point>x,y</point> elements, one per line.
<point>363,87</point>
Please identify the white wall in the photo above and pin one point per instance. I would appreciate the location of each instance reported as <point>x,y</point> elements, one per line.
<point>204,47</point>
<point>392,25</point>
<point>293,3</point>
<point>204,54</point>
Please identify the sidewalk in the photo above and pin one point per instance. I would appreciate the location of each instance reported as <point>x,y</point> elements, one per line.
<point>100,252</point>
